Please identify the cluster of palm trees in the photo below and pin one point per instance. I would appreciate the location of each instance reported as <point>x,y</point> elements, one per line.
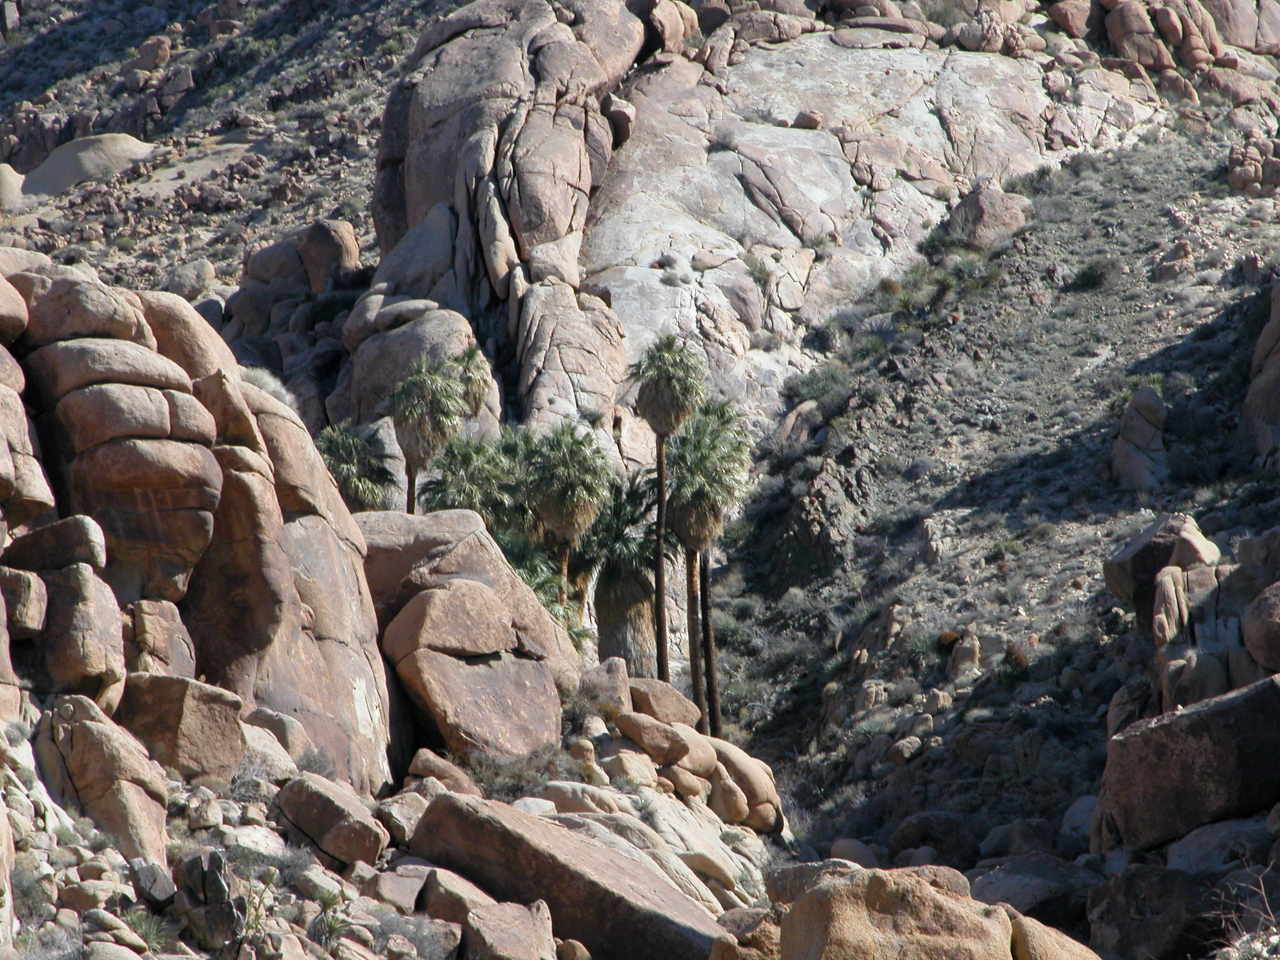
<point>554,495</point>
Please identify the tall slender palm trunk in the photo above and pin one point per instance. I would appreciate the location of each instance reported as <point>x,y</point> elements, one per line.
<point>411,483</point>
<point>709,647</point>
<point>564,575</point>
<point>694,613</point>
<point>659,565</point>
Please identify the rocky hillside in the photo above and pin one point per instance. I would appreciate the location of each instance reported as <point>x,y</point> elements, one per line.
<point>991,283</point>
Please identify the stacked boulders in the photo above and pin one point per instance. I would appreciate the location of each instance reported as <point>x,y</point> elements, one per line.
<point>1139,460</point>
<point>1254,166</point>
<point>473,647</point>
<point>201,535</point>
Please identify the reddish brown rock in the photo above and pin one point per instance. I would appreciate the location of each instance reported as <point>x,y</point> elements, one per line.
<point>59,544</point>
<point>59,368</point>
<point>86,758</point>
<point>450,896</point>
<point>1173,539</point>
<point>26,602</point>
<point>73,309</point>
<point>155,501</point>
<point>1072,16</point>
<point>83,636</point>
<point>184,336</point>
<point>428,763</point>
<point>509,931</point>
<point>13,312</point>
<point>626,912</point>
<point>1169,774</point>
<point>1134,37</point>
<point>505,705</point>
<point>755,779</point>
<point>409,554</point>
<point>157,641</point>
<point>187,725</point>
<point>332,819</point>
<point>328,249</point>
<point>659,740</point>
<point>663,702</point>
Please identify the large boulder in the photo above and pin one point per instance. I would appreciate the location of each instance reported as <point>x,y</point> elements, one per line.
<point>187,725</point>
<point>617,907</point>
<point>1171,540</point>
<point>300,635</point>
<point>892,915</point>
<point>988,217</point>
<point>332,819</point>
<point>86,758</point>
<point>83,636</point>
<point>1167,775</point>
<point>474,648</point>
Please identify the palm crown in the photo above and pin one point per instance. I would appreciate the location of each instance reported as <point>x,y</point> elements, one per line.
<point>709,460</point>
<point>671,377</point>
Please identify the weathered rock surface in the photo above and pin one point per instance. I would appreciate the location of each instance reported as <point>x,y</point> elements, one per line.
<point>85,757</point>
<point>472,645</point>
<point>187,725</point>
<point>1170,774</point>
<point>1138,457</point>
<point>332,819</point>
<point>614,909</point>
<point>1170,540</point>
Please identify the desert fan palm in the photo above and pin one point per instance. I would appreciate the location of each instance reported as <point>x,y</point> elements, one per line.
<point>471,475</point>
<point>357,463</point>
<point>710,460</point>
<point>570,481</point>
<point>427,409</point>
<point>671,380</point>
<point>474,376</point>
<point>618,550</point>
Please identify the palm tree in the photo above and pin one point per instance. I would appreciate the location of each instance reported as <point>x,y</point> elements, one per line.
<point>710,458</point>
<point>473,372</point>
<point>471,475</point>
<point>618,550</point>
<point>671,379</point>
<point>570,480</point>
<point>427,410</point>
<point>357,464</point>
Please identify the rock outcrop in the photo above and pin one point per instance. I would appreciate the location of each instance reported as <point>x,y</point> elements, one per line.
<point>628,913</point>
<point>202,534</point>
<point>85,758</point>
<point>473,646</point>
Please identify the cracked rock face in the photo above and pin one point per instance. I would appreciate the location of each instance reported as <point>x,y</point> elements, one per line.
<point>725,212</point>
<point>475,650</point>
<point>735,196</point>
<point>207,521</point>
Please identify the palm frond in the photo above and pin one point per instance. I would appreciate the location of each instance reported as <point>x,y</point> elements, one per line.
<point>570,481</point>
<point>708,461</point>
<point>427,409</point>
<point>357,463</point>
<point>474,376</point>
<point>472,475</point>
<point>672,380</point>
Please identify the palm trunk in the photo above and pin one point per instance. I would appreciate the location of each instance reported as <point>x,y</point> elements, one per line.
<point>624,618</point>
<point>709,647</point>
<point>695,637</point>
<point>564,575</point>
<point>659,566</point>
<point>411,494</point>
